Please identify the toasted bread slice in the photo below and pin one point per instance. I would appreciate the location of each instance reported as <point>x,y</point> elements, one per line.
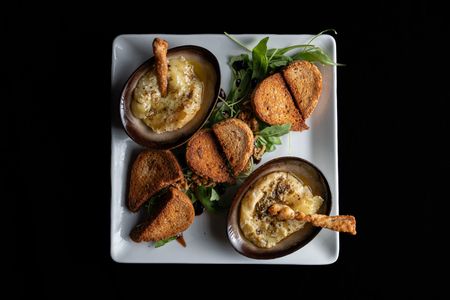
<point>151,172</point>
<point>204,158</point>
<point>236,140</point>
<point>305,82</point>
<point>174,215</point>
<point>273,104</point>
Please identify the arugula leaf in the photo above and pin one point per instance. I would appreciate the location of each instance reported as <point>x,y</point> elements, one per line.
<point>315,55</point>
<point>161,243</point>
<point>275,130</point>
<point>237,41</point>
<point>270,148</point>
<point>270,136</point>
<point>322,32</point>
<point>191,195</point>
<point>260,60</point>
<point>278,61</point>
<point>214,195</point>
<point>274,140</point>
<point>282,51</point>
<point>206,196</point>
<point>239,62</point>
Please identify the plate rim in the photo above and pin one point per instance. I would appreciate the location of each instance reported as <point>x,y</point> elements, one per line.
<point>335,255</point>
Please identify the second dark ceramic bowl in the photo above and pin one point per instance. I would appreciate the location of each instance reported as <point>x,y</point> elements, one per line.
<point>140,133</point>
<point>311,176</point>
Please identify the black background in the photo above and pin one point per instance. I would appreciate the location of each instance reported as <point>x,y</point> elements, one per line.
<point>393,127</point>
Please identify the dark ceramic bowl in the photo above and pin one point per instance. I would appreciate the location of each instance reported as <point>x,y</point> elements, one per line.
<point>136,128</point>
<point>311,176</point>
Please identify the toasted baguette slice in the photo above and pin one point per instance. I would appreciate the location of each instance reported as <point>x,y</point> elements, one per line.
<point>174,215</point>
<point>236,140</point>
<point>151,172</point>
<point>204,158</point>
<point>305,82</point>
<point>273,104</point>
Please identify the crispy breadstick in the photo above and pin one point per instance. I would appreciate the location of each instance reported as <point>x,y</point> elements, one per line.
<point>160,47</point>
<point>336,223</point>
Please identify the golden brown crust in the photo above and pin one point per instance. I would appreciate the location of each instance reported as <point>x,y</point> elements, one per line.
<point>175,216</point>
<point>236,140</point>
<point>305,83</point>
<point>204,158</point>
<point>160,47</point>
<point>151,172</point>
<point>273,104</point>
<point>336,223</point>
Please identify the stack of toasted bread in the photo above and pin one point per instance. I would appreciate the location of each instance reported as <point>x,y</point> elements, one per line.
<point>221,153</point>
<point>156,172</point>
<point>289,96</point>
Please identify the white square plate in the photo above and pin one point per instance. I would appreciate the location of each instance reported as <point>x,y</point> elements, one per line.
<point>206,239</point>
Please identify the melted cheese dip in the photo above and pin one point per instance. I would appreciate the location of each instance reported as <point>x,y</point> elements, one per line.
<point>264,230</point>
<point>182,102</point>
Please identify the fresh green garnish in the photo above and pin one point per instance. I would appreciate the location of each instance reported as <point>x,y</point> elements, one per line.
<point>249,68</point>
<point>161,243</point>
<point>208,197</point>
<point>191,195</point>
<point>270,136</point>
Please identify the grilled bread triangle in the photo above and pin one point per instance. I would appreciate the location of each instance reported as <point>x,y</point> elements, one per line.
<point>237,141</point>
<point>204,157</point>
<point>152,171</point>
<point>174,215</point>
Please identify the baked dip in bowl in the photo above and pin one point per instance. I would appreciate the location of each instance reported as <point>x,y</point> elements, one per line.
<point>261,222</point>
<point>165,119</point>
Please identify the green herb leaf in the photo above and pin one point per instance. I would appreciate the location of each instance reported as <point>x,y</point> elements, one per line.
<point>270,148</point>
<point>275,130</point>
<point>206,196</point>
<point>161,243</point>
<point>237,41</point>
<point>320,33</point>
<point>260,60</point>
<point>239,62</point>
<point>214,195</point>
<point>274,140</point>
<point>270,136</point>
<point>191,195</point>
<point>316,55</point>
<point>282,51</point>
